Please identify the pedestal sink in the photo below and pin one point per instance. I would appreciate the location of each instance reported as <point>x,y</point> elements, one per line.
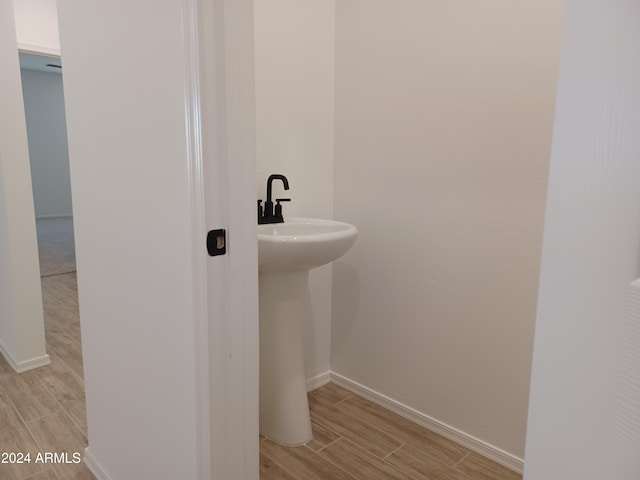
<point>286,253</point>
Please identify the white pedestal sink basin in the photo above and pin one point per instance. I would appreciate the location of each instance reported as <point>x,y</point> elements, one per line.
<point>286,253</point>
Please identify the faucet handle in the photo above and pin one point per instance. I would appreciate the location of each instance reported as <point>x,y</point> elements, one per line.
<point>278,208</point>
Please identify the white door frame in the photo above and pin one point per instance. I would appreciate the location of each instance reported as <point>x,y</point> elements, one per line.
<point>220,33</point>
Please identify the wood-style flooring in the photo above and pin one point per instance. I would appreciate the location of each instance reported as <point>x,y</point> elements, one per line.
<point>355,439</point>
<point>43,410</point>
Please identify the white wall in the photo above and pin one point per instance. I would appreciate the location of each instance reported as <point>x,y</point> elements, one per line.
<point>294,55</point>
<point>130,176</point>
<point>590,253</point>
<point>21,319</point>
<point>36,24</point>
<point>444,116</point>
<point>48,151</point>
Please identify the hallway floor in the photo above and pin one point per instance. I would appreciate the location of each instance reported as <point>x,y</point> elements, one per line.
<point>43,410</point>
<point>355,439</point>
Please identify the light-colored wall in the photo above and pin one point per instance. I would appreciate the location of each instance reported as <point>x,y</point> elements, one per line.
<point>21,318</point>
<point>134,247</point>
<point>37,26</point>
<point>444,114</point>
<point>590,255</point>
<point>294,69</point>
<point>48,151</point>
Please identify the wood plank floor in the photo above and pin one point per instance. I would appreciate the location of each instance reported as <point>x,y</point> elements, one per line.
<point>355,439</point>
<point>43,410</point>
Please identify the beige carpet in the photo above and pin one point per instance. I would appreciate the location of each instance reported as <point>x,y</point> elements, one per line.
<point>56,246</point>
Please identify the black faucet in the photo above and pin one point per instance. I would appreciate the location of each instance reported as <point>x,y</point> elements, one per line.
<point>272,214</point>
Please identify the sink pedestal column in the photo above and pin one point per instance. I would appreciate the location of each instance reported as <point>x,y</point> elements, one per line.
<point>284,409</point>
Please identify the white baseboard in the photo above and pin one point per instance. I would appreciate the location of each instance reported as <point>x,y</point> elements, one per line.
<point>25,365</point>
<point>318,381</point>
<point>94,466</point>
<point>483,448</point>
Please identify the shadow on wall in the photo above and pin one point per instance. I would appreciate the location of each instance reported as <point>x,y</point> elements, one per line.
<point>346,293</point>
